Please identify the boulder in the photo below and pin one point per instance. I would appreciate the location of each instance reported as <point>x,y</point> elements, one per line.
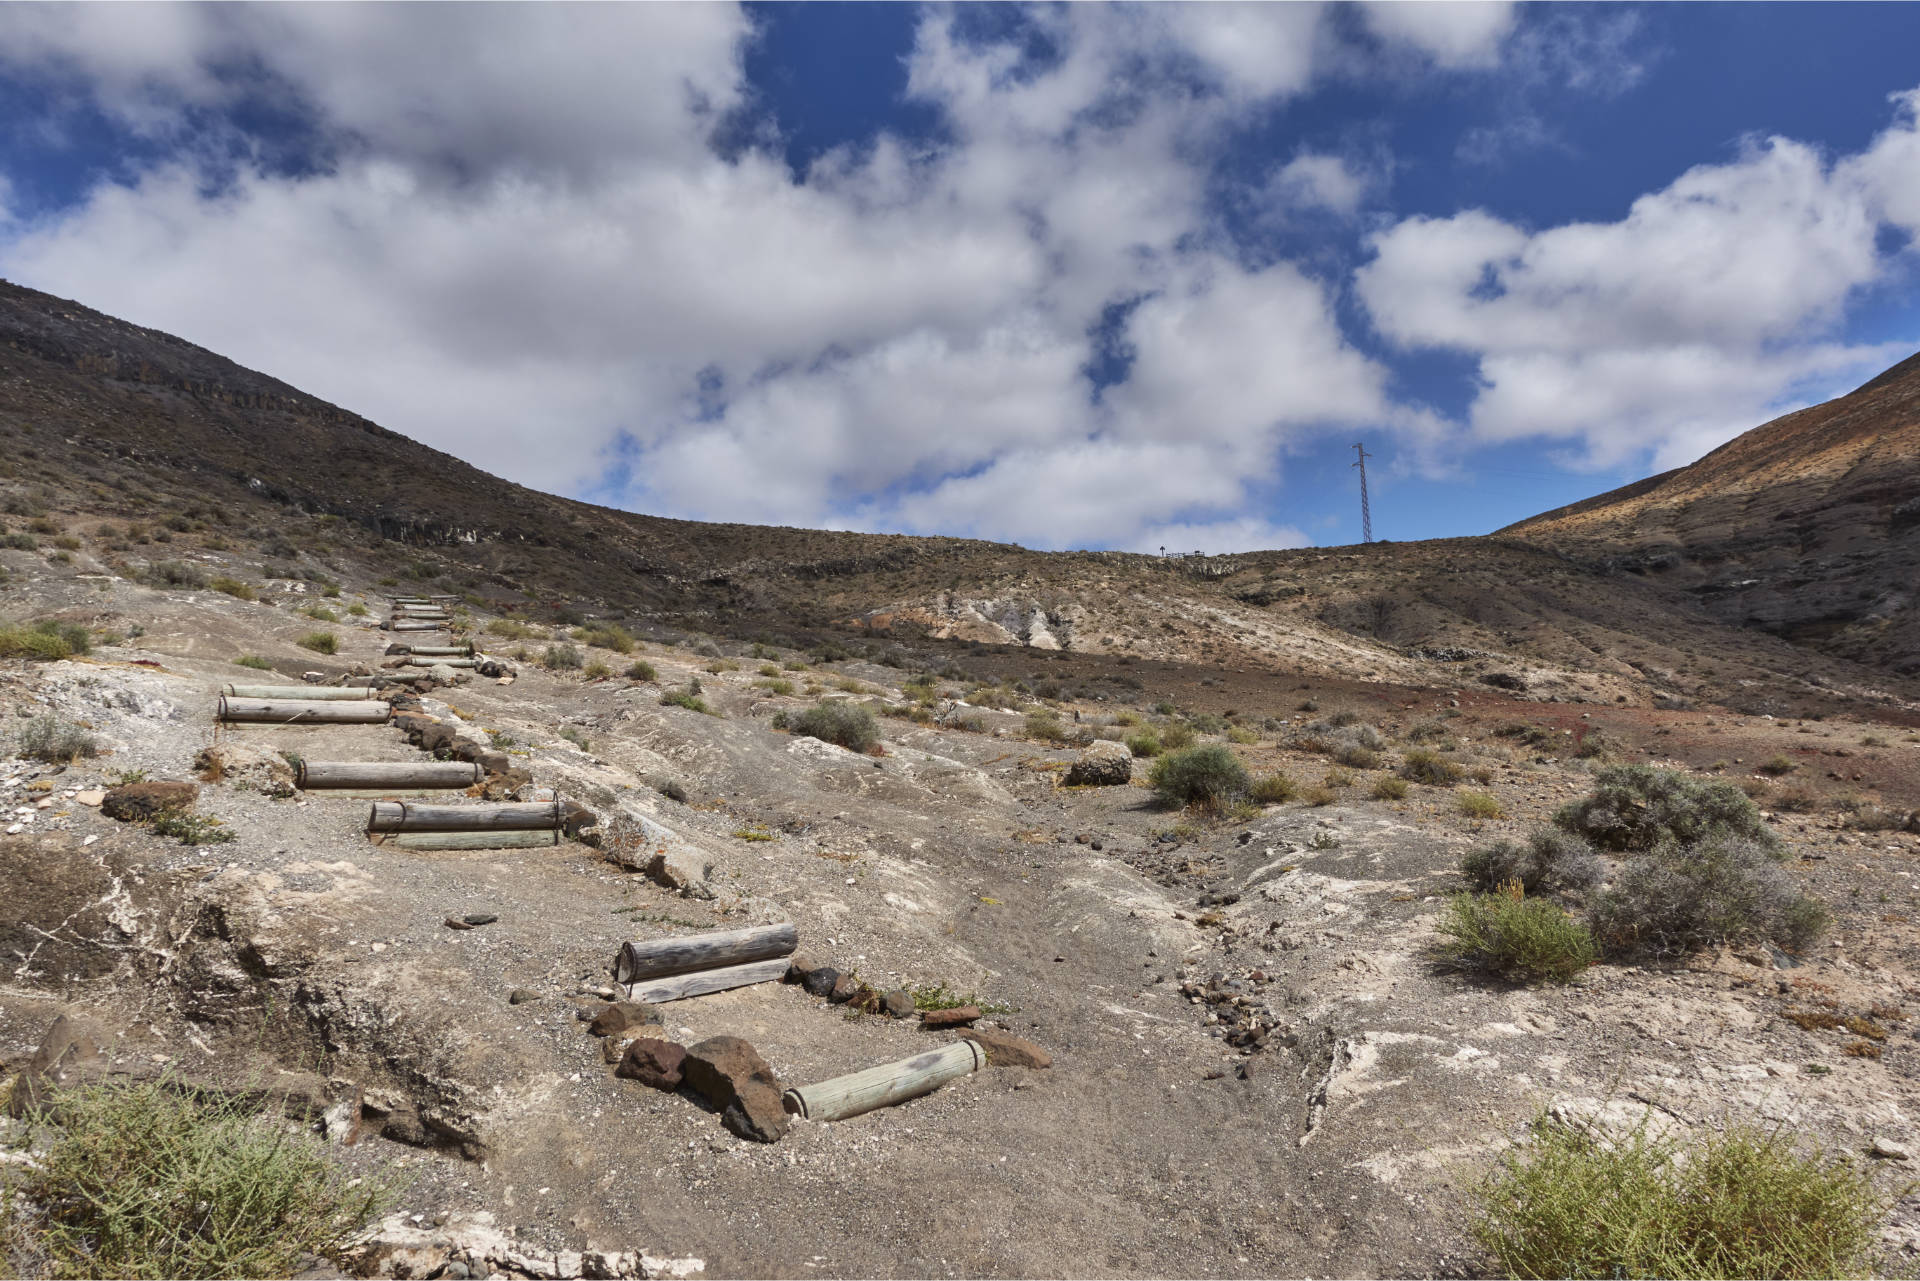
<point>1004,1049</point>
<point>799,966</point>
<point>245,767</point>
<point>898,1003</point>
<point>660,1064</point>
<point>843,989</point>
<point>681,870</point>
<point>141,802</point>
<point>1103,764</point>
<point>821,980</point>
<point>730,1074</point>
<point>1504,680</point>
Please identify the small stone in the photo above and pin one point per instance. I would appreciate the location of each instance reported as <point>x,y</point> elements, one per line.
<point>799,966</point>
<point>453,924</point>
<point>522,995</point>
<point>1007,1050</point>
<point>1888,1150</point>
<point>479,918</point>
<point>92,798</point>
<point>821,981</point>
<point>653,1062</point>
<point>897,1004</point>
<point>1103,764</point>
<point>843,989</point>
<point>958,1016</point>
<point>622,1016</point>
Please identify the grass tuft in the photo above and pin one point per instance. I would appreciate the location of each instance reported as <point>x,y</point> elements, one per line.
<point>149,1181</point>
<point>846,724</point>
<point>320,642</point>
<point>1737,1203</point>
<point>56,740</point>
<point>1211,777</point>
<point>1505,933</point>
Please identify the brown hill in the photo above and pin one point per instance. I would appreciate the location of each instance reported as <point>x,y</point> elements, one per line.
<point>1808,526</point>
<point>108,422</point>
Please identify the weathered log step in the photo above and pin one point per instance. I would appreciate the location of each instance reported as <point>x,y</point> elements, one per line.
<point>298,693</point>
<point>414,625</point>
<point>404,816</point>
<point>401,774</point>
<point>680,986</point>
<point>443,662</point>
<point>466,840</point>
<point>883,1086</point>
<point>289,711</point>
<point>462,650</point>
<point>658,958</point>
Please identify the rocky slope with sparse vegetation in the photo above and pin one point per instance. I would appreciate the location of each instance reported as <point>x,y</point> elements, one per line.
<point>1373,910</point>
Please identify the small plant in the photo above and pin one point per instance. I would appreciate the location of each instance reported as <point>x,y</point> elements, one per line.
<point>562,657</point>
<point>1480,805</point>
<point>55,740</point>
<point>641,670</point>
<point>357,610</point>
<point>1420,765</point>
<point>1354,756</point>
<point>232,587</point>
<point>192,829</point>
<point>1322,839</point>
<point>596,670</point>
<point>575,737</point>
<point>1636,807</point>
<point>1547,860</point>
<point>1272,789</point>
<point>753,834</point>
<point>1146,743</point>
<point>1210,777</point>
<point>846,724</point>
<point>1045,726</point>
<point>509,629</point>
<point>1389,788</point>
<point>173,573</point>
<point>775,685</point>
<point>1319,795</point>
<point>606,636</point>
<point>153,1180</point>
<point>320,642</point>
<point>1176,737</point>
<point>1778,766</point>
<point>254,661</point>
<point>1521,939</point>
<point>46,640</point>
<point>1242,735</point>
<point>1738,1202</point>
<point>688,696</point>
<point>1725,888</point>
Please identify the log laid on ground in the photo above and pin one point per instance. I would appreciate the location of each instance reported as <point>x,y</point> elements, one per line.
<point>681,986</point>
<point>467,840</point>
<point>420,611</point>
<point>298,693</point>
<point>403,816</point>
<point>402,774</point>
<point>462,650</point>
<point>303,711</point>
<point>415,660</point>
<point>884,1086</point>
<point>658,958</point>
<point>414,625</point>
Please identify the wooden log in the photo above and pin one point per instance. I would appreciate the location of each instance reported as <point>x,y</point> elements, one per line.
<point>289,711</point>
<point>402,816</point>
<point>681,986</point>
<point>462,650</point>
<point>658,958</point>
<point>884,1086</point>
<point>371,774</point>
<point>467,840</point>
<point>413,660</point>
<point>431,611</point>
<point>298,693</point>
<point>413,625</point>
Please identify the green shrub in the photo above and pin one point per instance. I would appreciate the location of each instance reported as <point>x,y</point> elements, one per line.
<point>1176,737</point>
<point>509,629</point>
<point>1146,743</point>
<point>1723,889</point>
<point>46,640</point>
<point>641,670</point>
<point>232,587</point>
<point>606,636</point>
<point>576,737</point>
<point>193,829</point>
<point>776,685</point>
<point>151,1180</point>
<point>1423,766</point>
<point>320,642</point>
<point>1318,795</point>
<point>1738,1202</point>
<point>320,613</point>
<point>1272,789</point>
<point>254,661</point>
<point>56,740</point>
<point>1479,805</point>
<point>688,697</point>
<point>1776,767</point>
<point>1389,788</point>
<point>1547,860</point>
<point>1636,807</point>
<point>173,573</point>
<point>1525,940</point>
<point>1354,756</point>
<point>1211,777</point>
<point>563,658</point>
<point>596,670</point>
<point>846,724</point>
<point>1045,725</point>
<point>357,610</point>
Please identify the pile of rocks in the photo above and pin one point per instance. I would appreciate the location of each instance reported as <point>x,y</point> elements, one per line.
<point>1235,1011</point>
<point>844,989</point>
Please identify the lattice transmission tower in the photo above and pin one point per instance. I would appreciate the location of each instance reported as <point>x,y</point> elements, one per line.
<point>1366,513</point>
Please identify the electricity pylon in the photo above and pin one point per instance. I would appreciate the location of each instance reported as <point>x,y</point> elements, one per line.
<point>1366,513</point>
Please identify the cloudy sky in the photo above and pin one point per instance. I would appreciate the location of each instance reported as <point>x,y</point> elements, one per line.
<point>1072,277</point>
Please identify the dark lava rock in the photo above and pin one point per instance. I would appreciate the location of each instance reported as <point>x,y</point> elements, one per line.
<point>622,1016</point>
<point>1004,1049</point>
<point>958,1016</point>
<point>730,1074</point>
<point>141,802</point>
<point>652,1062</point>
<point>822,981</point>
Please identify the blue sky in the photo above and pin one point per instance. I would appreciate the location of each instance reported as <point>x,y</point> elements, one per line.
<point>1073,277</point>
